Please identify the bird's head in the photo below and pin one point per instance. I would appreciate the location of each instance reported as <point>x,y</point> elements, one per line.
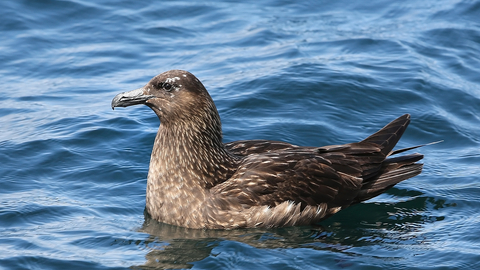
<point>175,96</point>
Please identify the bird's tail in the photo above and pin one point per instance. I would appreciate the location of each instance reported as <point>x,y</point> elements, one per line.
<point>393,169</point>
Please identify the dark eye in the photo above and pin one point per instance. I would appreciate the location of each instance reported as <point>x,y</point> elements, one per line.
<point>167,86</point>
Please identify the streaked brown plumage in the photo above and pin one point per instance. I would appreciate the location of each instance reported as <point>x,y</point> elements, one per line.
<point>196,181</point>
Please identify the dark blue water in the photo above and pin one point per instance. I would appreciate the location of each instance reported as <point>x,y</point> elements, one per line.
<point>73,172</point>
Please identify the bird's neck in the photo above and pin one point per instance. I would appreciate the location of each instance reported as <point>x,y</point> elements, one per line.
<point>191,155</point>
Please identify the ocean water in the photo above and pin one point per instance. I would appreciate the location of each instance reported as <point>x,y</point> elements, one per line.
<point>73,172</point>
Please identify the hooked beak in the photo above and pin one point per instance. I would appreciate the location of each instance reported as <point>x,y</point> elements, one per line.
<point>130,98</point>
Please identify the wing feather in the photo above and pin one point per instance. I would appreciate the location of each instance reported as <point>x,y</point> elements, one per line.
<point>273,178</point>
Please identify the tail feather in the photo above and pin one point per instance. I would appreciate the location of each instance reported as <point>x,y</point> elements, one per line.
<point>387,181</point>
<point>371,159</point>
<point>411,148</point>
<point>404,159</point>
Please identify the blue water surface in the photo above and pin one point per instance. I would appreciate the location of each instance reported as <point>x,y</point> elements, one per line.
<point>73,172</point>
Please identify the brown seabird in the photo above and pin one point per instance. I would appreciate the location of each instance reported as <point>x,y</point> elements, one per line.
<point>197,181</point>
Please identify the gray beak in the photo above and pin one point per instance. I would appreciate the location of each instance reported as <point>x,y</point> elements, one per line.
<point>130,98</point>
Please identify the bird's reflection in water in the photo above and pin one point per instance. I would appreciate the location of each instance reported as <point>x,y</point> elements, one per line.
<point>368,224</point>
<point>176,247</point>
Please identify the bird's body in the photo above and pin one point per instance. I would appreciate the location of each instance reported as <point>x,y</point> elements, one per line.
<point>197,181</point>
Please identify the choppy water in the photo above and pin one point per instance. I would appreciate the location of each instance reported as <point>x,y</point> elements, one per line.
<point>73,172</point>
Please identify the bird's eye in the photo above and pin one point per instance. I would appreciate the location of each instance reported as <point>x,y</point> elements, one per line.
<point>167,86</point>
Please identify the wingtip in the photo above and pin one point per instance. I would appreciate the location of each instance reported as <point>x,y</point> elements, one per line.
<point>388,136</point>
